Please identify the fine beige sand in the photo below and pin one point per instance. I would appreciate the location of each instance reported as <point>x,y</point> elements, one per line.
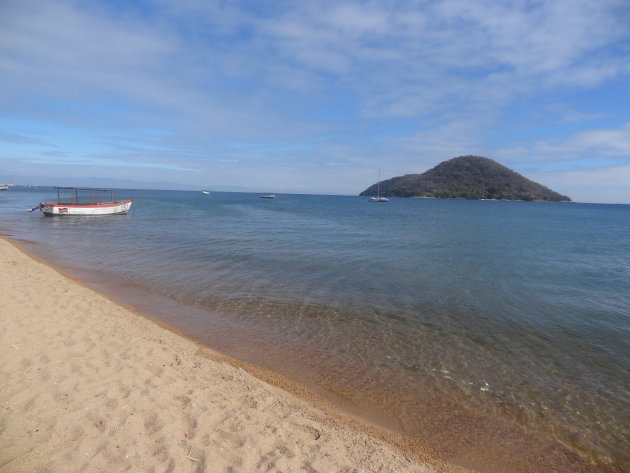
<point>89,386</point>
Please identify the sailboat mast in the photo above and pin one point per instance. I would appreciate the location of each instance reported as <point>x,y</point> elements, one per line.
<point>378,197</point>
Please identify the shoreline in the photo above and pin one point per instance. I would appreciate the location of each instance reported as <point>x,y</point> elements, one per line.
<point>506,448</point>
<point>88,384</point>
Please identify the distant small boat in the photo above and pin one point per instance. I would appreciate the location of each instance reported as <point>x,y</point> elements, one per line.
<point>378,197</point>
<point>92,205</point>
<point>205,192</point>
<point>3,187</point>
<point>268,196</point>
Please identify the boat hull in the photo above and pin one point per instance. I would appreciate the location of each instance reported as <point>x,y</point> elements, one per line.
<point>53,209</point>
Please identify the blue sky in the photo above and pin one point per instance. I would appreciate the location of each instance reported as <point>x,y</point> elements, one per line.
<point>314,97</point>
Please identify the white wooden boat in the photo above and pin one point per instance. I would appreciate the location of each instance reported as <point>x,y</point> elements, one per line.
<point>205,192</point>
<point>92,203</point>
<point>268,196</point>
<point>3,187</point>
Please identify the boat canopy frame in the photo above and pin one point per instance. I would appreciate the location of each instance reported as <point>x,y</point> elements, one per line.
<point>95,195</point>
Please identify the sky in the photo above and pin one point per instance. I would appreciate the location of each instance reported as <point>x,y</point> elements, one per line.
<point>313,96</point>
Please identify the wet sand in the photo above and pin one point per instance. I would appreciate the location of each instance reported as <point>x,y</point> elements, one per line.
<point>87,385</point>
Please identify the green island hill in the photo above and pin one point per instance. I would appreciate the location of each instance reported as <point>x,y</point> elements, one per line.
<point>467,177</point>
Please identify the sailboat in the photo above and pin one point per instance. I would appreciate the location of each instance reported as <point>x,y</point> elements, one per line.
<point>378,197</point>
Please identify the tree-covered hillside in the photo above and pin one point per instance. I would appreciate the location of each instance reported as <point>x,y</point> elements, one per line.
<point>467,177</point>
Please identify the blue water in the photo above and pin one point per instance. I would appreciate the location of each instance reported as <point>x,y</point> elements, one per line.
<point>513,309</point>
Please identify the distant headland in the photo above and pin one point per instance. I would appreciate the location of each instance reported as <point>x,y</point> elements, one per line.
<point>467,177</point>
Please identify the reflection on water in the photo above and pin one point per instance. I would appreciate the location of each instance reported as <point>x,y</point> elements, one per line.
<point>512,311</point>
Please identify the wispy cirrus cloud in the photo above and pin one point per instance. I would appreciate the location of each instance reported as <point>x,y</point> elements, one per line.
<point>19,139</point>
<point>596,142</point>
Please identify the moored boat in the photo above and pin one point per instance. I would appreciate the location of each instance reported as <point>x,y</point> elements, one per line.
<point>92,202</point>
<point>378,197</point>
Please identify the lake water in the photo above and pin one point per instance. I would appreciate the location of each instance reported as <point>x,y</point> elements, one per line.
<point>460,323</point>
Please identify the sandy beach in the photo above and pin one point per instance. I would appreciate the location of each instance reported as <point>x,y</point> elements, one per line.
<point>89,386</point>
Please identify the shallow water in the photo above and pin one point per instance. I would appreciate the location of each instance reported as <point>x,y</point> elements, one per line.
<point>514,311</point>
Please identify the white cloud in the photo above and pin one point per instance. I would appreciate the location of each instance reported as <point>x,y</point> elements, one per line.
<point>589,143</point>
<point>397,62</point>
